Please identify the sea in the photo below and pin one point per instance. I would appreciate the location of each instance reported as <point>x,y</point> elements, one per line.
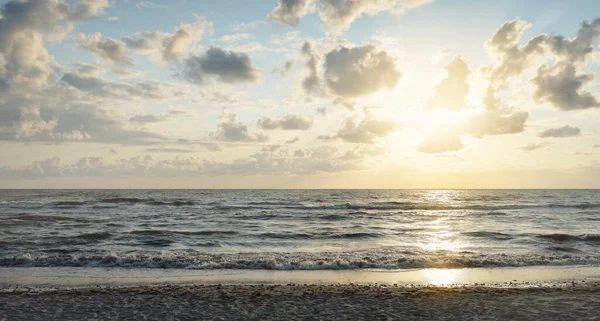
<point>299,229</point>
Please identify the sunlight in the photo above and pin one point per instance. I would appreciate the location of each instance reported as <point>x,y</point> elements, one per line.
<point>440,276</point>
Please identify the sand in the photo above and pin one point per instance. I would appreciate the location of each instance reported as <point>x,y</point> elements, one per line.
<point>573,301</point>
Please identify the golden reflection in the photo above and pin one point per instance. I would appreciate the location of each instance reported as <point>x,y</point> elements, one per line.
<point>440,276</point>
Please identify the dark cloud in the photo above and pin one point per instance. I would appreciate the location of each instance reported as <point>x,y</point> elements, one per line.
<point>226,66</point>
<point>289,122</point>
<point>564,131</point>
<point>359,71</point>
<point>451,92</point>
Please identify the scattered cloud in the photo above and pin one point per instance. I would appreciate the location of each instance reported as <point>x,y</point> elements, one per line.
<point>226,66</point>
<point>287,66</point>
<point>87,9</point>
<point>368,131</point>
<point>533,146</point>
<point>338,15</point>
<point>289,12</point>
<point>564,131</point>
<point>170,47</point>
<point>289,122</point>
<point>107,49</point>
<point>232,130</point>
<point>451,92</point>
<point>278,162</point>
<point>151,118</point>
<point>359,71</point>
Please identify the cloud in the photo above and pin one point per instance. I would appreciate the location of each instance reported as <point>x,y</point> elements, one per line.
<point>168,150</point>
<point>227,66</point>
<point>87,70</point>
<point>113,19</point>
<point>289,12</point>
<point>232,130</point>
<point>562,87</point>
<point>533,146</point>
<point>312,82</point>
<point>293,140</point>
<point>564,131</point>
<point>338,15</point>
<point>287,66</point>
<point>359,71</point>
<point>368,131</point>
<point>441,142</point>
<point>491,122</point>
<point>321,159</point>
<point>560,78</point>
<point>170,47</point>
<point>289,122</point>
<point>150,118</point>
<point>85,83</point>
<point>24,25</point>
<point>87,9</point>
<point>451,92</point>
<point>107,49</point>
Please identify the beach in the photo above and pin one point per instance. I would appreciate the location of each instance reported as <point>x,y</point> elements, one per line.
<point>301,302</point>
<point>548,293</point>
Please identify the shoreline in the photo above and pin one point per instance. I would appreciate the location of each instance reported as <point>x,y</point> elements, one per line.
<point>78,277</point>
<point>532,293</point>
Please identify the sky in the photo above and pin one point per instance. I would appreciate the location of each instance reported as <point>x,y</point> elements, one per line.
<point>299,94</point>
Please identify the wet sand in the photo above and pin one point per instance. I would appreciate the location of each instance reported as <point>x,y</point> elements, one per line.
<point>574,301</point>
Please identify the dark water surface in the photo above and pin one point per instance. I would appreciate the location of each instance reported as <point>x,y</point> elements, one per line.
<point>299,229</point>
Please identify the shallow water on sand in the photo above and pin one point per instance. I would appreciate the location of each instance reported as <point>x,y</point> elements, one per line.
<point>299,229</point>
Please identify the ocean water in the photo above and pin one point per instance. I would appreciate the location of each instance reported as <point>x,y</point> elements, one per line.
<point>299,229</point>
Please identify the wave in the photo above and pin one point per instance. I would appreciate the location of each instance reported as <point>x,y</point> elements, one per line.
<point>560,238</point>
<point>488,235</point>
<point>42,217</point>
<point>168,232</point>
<point>296,261</point>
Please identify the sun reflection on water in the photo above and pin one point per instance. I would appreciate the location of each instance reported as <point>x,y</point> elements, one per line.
<point>441,276</point>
